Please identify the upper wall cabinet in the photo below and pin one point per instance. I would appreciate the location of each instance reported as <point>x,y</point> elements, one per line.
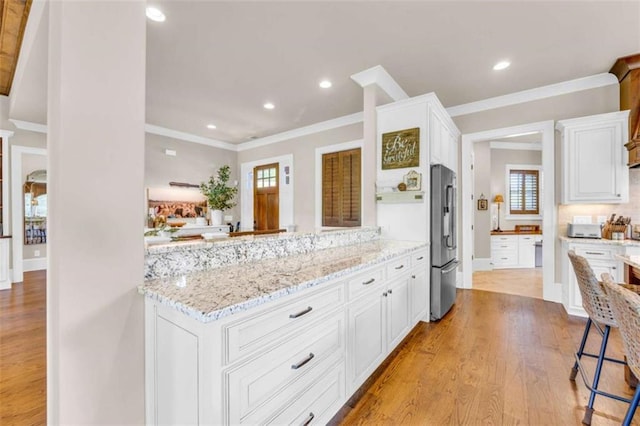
<point>594,168</point>
<point>443,139</point>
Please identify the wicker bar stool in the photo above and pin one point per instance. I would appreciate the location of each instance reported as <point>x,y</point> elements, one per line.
<point>596,302</point>
<point>626,308</point>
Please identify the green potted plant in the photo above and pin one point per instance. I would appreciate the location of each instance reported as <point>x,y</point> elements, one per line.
<point>219,194</point>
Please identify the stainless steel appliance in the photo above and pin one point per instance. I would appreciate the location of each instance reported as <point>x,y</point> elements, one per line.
<point>443,240</point>
<point>584,230</point>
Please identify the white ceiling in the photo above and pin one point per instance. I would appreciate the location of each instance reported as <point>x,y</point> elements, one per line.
<point>218,62</point>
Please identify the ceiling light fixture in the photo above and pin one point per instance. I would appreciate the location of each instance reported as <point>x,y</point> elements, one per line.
<point>211,126</point>
<point>269,105</point>
<point>325,84</point>
<point>501,65</point>
<point>155,14</point>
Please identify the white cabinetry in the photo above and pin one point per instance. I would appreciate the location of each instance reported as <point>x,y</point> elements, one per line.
<point>601,258</point>
<point>443,140</point>
<point>514,251</point>
<point>594,168</point>
<point>295,360</point>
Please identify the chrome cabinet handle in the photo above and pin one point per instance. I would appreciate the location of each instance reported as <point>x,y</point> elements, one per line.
<point>420,258</point>
<point>390,291</point>
<point>301,313</point>
<point>308,419</point>
<point>594,253</point>
<point>413,276</point>
<point>613,267</point>
<point>303,362</point>
<point>400,267</point>
<point>369,282</point>
<point>384,294</point>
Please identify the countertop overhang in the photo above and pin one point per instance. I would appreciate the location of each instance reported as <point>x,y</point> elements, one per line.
<point>213,294</point>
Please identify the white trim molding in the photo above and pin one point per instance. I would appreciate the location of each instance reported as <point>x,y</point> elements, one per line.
<point>378,75</point>
<point>482,264</point>
<point>323,126</point>
<point>175,134</point>
<point>35,264</point>
<point>523,146</point>
<point>557,89</point>
<point>30,126</point>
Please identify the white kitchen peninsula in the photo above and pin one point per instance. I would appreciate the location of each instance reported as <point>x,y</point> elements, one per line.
<point>275,329</point>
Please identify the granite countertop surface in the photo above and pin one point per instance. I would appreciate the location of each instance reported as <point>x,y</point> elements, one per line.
<point>216,293</point>
<point>603,241</point>
<point>631,260</point>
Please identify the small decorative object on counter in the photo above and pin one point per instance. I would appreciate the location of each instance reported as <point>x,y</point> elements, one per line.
<point>402,186</point>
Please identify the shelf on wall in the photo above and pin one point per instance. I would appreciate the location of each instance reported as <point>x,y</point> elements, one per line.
<point>400,197</point>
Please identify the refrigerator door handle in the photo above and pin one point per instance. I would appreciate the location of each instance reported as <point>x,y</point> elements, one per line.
<point>450,226</point>
<point>453,266</point>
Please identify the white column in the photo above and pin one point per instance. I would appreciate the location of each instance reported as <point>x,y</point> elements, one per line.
<point>96,111</point>
<point>369,166</point>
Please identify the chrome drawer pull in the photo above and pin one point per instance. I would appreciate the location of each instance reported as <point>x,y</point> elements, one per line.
<point>413,276</point>
<point>301,313</point>
<point>420,258</point>
<point>303,362</point>
<point>400,267</point>
<point>308,420</point>
<point>595,253</point>
<point>369,282</point>
<point>385,294</point>
<point>390,291</point>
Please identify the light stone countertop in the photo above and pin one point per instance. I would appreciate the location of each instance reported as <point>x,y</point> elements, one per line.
<point>603,241</point>
<point>631,260</point>
<point>216,293</point>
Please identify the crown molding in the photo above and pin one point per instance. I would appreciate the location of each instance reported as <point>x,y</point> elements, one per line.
<point>335,123</point>
<point>378,75</point>
<point>28,125</point>
<point>557,89</point>
<point>5,133</point>
<point>523,146</point>
<point>175,134</point>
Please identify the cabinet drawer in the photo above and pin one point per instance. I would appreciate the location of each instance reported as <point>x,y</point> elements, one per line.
<point>597,253</point>
<point>504,258</point>
<point>363,283</point>
<point>252,333</point>
<point>266,383</point>
<point>316,404</point>
<point>397,267</point>
<point>419,259</point>
<point>504,242</point>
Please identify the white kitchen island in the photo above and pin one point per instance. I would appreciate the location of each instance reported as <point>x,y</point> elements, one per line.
<point>285,339</point>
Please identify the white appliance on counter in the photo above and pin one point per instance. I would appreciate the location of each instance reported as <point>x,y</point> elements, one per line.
<point>584,230</point>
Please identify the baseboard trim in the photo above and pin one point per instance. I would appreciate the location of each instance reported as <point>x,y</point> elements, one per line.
<point>35,264</point>
<point>482,265</point>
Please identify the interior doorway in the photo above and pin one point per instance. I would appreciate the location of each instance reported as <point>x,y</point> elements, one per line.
<point>266,197</point>
<point>545,129</point>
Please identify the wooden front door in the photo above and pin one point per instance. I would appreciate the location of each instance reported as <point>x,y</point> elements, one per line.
<point>266,201</point>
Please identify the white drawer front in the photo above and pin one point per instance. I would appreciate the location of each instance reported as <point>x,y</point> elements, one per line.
<point>504,258</point>
<point>254,332</point>
<point>267,382</point>
<point>397,267</point>
<point>364,282</point>
<point>597,253</point>
<point>318,403</point>
<point>420,258</point>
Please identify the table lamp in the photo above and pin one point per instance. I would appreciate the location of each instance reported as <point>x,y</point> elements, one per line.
<point>498,199</point>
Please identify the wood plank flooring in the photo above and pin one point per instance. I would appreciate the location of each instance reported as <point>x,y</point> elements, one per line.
<point>520,282</point>
<point>23,352</point>
<point>495,359</point>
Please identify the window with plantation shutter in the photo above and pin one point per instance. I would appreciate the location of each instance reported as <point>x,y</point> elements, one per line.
<point>524,192</point>
<point>341,190</point>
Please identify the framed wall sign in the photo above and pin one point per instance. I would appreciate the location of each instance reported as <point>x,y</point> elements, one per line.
<point>483,204</point>
<point>401,149</point>
<point>413,181</point>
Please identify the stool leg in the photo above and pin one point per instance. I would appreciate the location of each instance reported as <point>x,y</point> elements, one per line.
<point>632,408</point>
<point>574,370</point>
<point>596,376</point>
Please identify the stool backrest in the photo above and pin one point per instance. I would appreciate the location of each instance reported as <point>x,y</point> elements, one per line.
<point>594,299</point>
<point>626,308</point>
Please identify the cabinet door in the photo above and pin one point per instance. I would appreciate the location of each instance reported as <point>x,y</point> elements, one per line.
<point>366,338</point>
<point>595,169</point>
<point>453,152</point>
<point>397,312</point>
<point>419,294</point>
<point>526,251</point>
<point>435,138</point>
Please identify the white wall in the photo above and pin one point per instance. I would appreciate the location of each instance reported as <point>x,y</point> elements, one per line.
<point>96,117</point>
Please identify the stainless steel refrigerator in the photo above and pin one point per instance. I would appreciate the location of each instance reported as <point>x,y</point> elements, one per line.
<point>443,240</point>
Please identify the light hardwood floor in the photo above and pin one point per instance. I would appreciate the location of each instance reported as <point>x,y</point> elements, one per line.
<point>494,359</point>
<point>23,352</point>
<point>519,282</point>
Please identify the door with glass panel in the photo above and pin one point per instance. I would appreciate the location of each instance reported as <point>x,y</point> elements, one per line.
<point>266,197</point>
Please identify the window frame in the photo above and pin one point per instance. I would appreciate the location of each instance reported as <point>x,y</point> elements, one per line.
<point>507,201</point>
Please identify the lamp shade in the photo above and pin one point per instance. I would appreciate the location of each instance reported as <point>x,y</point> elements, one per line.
<point>498,199</point>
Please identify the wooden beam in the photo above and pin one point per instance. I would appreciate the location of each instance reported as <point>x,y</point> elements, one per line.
<point>13,20</point>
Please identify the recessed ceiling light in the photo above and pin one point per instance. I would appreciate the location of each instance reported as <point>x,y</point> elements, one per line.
<point>211,126</point>
<point>155,14</point>
<point>269,105</point>
<point>501,65</point>
<point>325,84</point>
